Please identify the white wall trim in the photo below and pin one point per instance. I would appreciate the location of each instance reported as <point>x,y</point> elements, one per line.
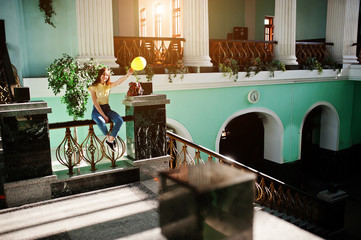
<point>39,86</point>
<point>273,132</point>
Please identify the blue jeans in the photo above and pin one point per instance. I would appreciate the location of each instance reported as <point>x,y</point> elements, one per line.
<point>113,116</point>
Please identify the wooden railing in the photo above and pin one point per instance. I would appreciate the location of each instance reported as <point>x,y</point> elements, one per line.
<point>91,150</point>
<point>244,52</point>
<point>306,50</point>
<point>156,50</point>
<point>270,192</point>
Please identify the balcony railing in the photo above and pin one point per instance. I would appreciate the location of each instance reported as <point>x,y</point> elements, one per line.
<point>162,52</point>
<point>270,192</point>
<point>240,50</point>
<point>91,150</point>
<point>318,50</point>
<point>156,50</point>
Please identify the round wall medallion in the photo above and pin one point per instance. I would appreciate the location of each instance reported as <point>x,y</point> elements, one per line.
<point>253,96</point>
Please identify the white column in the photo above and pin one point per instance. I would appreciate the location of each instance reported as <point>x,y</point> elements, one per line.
<point>285,31</point>
<point>196,33</point>
<point>95,31</point>
<point>341,29</point>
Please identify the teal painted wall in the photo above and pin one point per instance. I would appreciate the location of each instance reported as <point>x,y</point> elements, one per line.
<point>43,43</point>
<point>223,16</point>
<point>311,19</point>
<point>263,8</point>
<point>202,112</point>
<point>9,12</point>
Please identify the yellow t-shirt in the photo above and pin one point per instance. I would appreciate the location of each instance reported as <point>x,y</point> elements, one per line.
<point>102,92</point>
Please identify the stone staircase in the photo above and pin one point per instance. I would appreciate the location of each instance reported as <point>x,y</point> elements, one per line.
<point>310,227</point>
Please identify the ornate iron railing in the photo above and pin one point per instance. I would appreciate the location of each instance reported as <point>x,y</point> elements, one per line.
<point>91,150</point>
<point>156,50</point>
<point>269,192</point>
<point>244,52</point>
<point>306,50</point>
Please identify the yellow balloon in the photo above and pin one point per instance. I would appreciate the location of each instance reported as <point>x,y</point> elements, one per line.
<point>138,63</point>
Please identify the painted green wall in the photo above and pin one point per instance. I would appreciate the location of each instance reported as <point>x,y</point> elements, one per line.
<point>202,112</point>
<point>311,19</point>
<point>263,8</point>
<point>42,42</point>
<point>223,16</point>
<point>9,12</point>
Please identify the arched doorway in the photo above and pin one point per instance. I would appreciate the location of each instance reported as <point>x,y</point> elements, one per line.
<point>311,136</point>
<point>243,139</point>
<point>319,140</point>
<point>265,121</point>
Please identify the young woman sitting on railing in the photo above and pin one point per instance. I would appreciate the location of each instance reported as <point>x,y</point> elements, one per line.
<point>102,113</point>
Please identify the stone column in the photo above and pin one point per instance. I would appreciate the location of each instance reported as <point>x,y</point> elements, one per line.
<point>95,31</point>
<point>27,170</point>
<point>285,31</point>
<point>196,33</point>
<point>146,134</point>
<point>341,29</point>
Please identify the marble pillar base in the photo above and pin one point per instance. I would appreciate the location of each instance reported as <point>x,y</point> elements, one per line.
<point>28,191</point>
<point>152,166</point>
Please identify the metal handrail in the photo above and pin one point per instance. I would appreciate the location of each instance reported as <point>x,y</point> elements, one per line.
<point>285,198</point>
<point>92,150</point>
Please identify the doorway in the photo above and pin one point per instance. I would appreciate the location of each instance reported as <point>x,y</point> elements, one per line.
<point>243,139</point>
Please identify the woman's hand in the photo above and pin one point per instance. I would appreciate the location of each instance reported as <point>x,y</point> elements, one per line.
<point>130,72</point>
<point>106,119</point>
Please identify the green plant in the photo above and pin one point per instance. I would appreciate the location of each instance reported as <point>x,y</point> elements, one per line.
<point>312,63</point>
<point>149,73</point>
<point>177,68</point>
<point>259,65</point>
<point>68,74</point>
<point>46,6</point>
<point>230,68</point>
<point>274,66</point>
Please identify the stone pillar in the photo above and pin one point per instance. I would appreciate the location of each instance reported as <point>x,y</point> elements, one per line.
<point>341,29</point>
<point>95,31</point>
<point>26,160</point>
<point>285,31</point>
<point>146,134</point>
<point>206,200</point>
<point>196,33</point>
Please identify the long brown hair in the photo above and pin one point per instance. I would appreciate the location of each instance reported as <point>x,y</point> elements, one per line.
<point>100,73</point>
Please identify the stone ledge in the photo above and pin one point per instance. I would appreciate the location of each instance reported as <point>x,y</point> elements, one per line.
<point>28,191</point>
<point>28,108</point>
<point>94,181</point>
<point>152,166</point>
<point>145,100</point>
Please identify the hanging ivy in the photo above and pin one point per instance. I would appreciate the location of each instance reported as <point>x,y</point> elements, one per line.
<point>46,6</point>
